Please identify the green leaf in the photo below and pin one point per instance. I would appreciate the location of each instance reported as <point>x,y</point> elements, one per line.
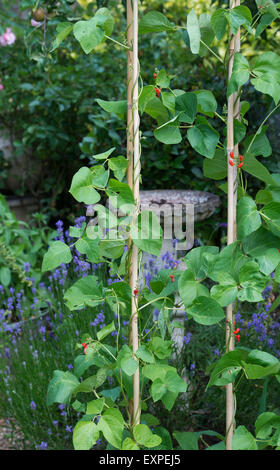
<point>216,168</point>
<point>95,407</point>
<point>240,73</point>
<point>111,424</point>
<point>269,261</point>
<point>162,349</point>
<point>240,16</point>
<point>198,260</point>
<point>105,20</point>
<point>206,102</point>
<point>147,93</point>
<point>154,22</point>
<point>156,371</point>
<point>193,29</point>
<point>63,30</point>
<point>126,361</point>
<point>129,444</point>
<point>85,435</point>
<point>265,423</point>
<point>104,155</point>
<point>257,145</point>
<point>248,217</point>
<point>105,331</point>
<point>219,23</point>
<point>82,187</point>
<point>206,311</point>
<point>115,107</point>
<point>111,248</point>
<point>157,111</point>
<point>206,32</point>
<point>146,232</point>
<point>256,243</point>
<point>119,166</point>
<point>88,33</point>
<point>267,69</point>
<point>243,440</point>
<point>257,169</point>
<point>203,138</point>
<point>162,79</point>
<point>227,367</point>
<point>168,134</point>
<point>224,295</point>
<point>5,275</point>
<point>190,288</point>
<point>144,354</point>
<point>57,254</point>
<point>158,389</point>
<point>186,440</point>
<point>100,176</point>
<point>61,387</point>
<point>186,107</point>
<point>83,292</point>
<point>144,436</point>
<point>121,196</point>
<point>265,21</point>
<point>89,247</point>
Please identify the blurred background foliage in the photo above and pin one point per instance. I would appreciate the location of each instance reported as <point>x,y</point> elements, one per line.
<point>48,106</point>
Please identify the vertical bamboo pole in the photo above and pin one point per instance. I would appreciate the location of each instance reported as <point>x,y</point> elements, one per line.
<point>233,112</point>
<point>133,175</point>
<point>129,130</point>
<point>136,181</point>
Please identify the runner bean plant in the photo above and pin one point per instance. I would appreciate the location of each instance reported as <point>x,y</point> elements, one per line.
<point>214,279</point>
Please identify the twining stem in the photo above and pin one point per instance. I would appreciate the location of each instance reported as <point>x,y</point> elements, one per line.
<point>117,42</point>
<point>260,127</point>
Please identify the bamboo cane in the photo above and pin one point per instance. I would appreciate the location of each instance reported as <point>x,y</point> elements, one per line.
<point>233,112</point>
<point>136,181</point>
<point>133,175</point>
<point>129,134</point>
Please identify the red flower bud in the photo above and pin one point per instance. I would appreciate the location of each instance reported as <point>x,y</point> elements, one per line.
<point>172,278</point>
<point>241,158</point>
<point>231,163</point>
<point>231,154</point>
<point>240,165</point>
<point>236,331</point>
<point>157,90</point>
<point>237,338</point>
<point>135,292</point>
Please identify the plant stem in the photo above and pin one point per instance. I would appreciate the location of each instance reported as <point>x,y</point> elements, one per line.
<point>117,42</point>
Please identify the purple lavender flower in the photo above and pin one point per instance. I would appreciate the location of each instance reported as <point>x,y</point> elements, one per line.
<point>33,405</point>
<point>187,338</point>
<point>43,445</point>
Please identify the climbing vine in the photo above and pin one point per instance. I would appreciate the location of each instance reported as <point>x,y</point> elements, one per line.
<point>240,271</point>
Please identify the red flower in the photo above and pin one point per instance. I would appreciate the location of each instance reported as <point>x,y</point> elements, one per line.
<point>157,90</point>
<point>231,163</point>
<point>231,154</point>
<point>241,158</point>
<point>135,292</point>
<point>240,165</point>
<point>237,338</point>
<point>85,347</point>
<point>155,75</point>
<point>172,278</point>
<point>236,331</point>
